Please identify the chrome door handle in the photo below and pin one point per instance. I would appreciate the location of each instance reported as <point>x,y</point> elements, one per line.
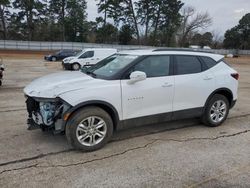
<point>167,85</point>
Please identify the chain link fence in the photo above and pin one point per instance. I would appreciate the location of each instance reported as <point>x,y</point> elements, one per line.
<point>42,46</point>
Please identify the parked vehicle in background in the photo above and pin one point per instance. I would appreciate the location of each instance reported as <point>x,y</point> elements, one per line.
<point>60,55</point>
<point>1,73</point>
<point>132,88</point>
<point>87,57</point>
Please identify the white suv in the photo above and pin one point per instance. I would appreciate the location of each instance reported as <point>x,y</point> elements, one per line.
<point>132,88</point>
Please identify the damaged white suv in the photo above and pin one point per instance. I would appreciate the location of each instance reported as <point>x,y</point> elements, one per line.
<point>129,89</point>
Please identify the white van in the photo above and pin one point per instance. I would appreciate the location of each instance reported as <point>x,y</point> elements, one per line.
<point>87,57</point>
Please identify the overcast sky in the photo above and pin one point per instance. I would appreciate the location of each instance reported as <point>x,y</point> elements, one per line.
<point>225,13</point>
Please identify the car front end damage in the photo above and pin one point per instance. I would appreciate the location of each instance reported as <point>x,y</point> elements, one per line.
<point>47,114</point>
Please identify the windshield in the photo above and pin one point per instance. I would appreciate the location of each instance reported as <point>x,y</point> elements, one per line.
<point>78,53</point>
<point>110,66</point>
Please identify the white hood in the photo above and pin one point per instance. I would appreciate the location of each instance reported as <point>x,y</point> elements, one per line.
<point>53,85</point>
<point>68,59</point>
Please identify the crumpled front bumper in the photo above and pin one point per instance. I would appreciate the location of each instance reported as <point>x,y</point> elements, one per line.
<point>36,119</point>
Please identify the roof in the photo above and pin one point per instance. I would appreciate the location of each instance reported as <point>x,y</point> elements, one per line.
<point>87,49</point>
<point>216,57</point>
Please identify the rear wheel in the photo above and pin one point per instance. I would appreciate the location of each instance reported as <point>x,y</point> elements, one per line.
<point>89,129</point>
<point>216,111</point>
<point>76,66</point>
<point>53,58</point>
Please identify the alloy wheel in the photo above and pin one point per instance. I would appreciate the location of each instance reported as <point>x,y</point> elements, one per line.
<point>218,111</point>
<point>91,131</point>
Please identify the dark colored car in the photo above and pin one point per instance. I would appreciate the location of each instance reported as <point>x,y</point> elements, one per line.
<point>60,55</point>
<point>1,73</point>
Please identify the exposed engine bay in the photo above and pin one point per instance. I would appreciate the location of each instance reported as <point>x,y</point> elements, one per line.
<point>46,114</point>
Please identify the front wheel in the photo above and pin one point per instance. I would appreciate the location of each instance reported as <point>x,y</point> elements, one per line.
<point>216,111</point>
<point>89,129</point>
<point>76,66</point>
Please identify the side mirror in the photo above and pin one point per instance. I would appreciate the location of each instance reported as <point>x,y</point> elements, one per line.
<point>137,76</point>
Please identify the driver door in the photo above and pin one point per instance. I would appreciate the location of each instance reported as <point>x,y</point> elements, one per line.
<point>152,96</point>
<point>87,58</point>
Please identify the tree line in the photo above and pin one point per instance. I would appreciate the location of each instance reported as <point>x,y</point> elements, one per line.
<point>145,22</point>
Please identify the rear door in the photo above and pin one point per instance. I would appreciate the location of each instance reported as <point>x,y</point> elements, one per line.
<point>193,83</point>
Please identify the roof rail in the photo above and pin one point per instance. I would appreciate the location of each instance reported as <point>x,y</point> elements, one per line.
<point>181,50</point>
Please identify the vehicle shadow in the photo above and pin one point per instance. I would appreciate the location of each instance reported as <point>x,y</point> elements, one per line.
<point>154,128</point>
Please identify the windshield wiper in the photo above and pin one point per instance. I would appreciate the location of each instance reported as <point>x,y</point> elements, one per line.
<point>91,73</point>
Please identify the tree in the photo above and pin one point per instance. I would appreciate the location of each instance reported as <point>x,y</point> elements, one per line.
<point>217,40</point>
<point>4,16</point>
<point>239,36</point>
<point>126,34</point>
<point>75,20</point>
<point>232,38</point>
<point>244,29</point>
<point>57,8</point>
<point>29,11</point>
<point>162,15</point>
<point>202,40</point>
<point>192,22</point>
<point>107,34</point>
<point>110,9</point>
<point>120,11</point>
<point>168,20</point>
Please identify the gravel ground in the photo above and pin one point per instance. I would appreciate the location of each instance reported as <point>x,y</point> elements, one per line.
<point>175,154</point>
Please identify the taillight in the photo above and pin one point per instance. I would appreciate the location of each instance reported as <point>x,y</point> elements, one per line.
<point>236,76</point>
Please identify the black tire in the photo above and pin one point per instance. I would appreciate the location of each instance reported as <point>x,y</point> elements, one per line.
<point>80,115</point>
<point>75,66</point>
<point>207,119</point>
<point>53,58</point>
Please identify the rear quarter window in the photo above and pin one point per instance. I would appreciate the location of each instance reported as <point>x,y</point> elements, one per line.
<point>209,62</point>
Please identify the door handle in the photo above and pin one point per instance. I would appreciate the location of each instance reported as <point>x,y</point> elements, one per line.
<point>207,78</point>
<point>167,85</point>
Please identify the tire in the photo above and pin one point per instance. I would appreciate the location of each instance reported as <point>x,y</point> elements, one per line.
<point>82,136</point>
<point>216,111</point>
<point>76,66</point>
<point>53,58</point>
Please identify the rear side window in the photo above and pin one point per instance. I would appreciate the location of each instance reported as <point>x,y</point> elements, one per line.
<point>209,62</point>
<point>154,66</point>
<point>187,65</point>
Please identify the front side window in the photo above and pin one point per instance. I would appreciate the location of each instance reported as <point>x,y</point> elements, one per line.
<point>154,66</point>
<point>187,65</point>
<point>87,54</point>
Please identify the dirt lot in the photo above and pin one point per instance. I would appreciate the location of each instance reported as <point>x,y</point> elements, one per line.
<point>176,154</point>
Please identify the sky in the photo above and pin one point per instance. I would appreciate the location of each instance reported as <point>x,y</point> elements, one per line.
<point>225,13</point>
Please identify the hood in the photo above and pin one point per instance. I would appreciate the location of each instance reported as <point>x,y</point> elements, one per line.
<point>67,59</point>
<point>53,85</point>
